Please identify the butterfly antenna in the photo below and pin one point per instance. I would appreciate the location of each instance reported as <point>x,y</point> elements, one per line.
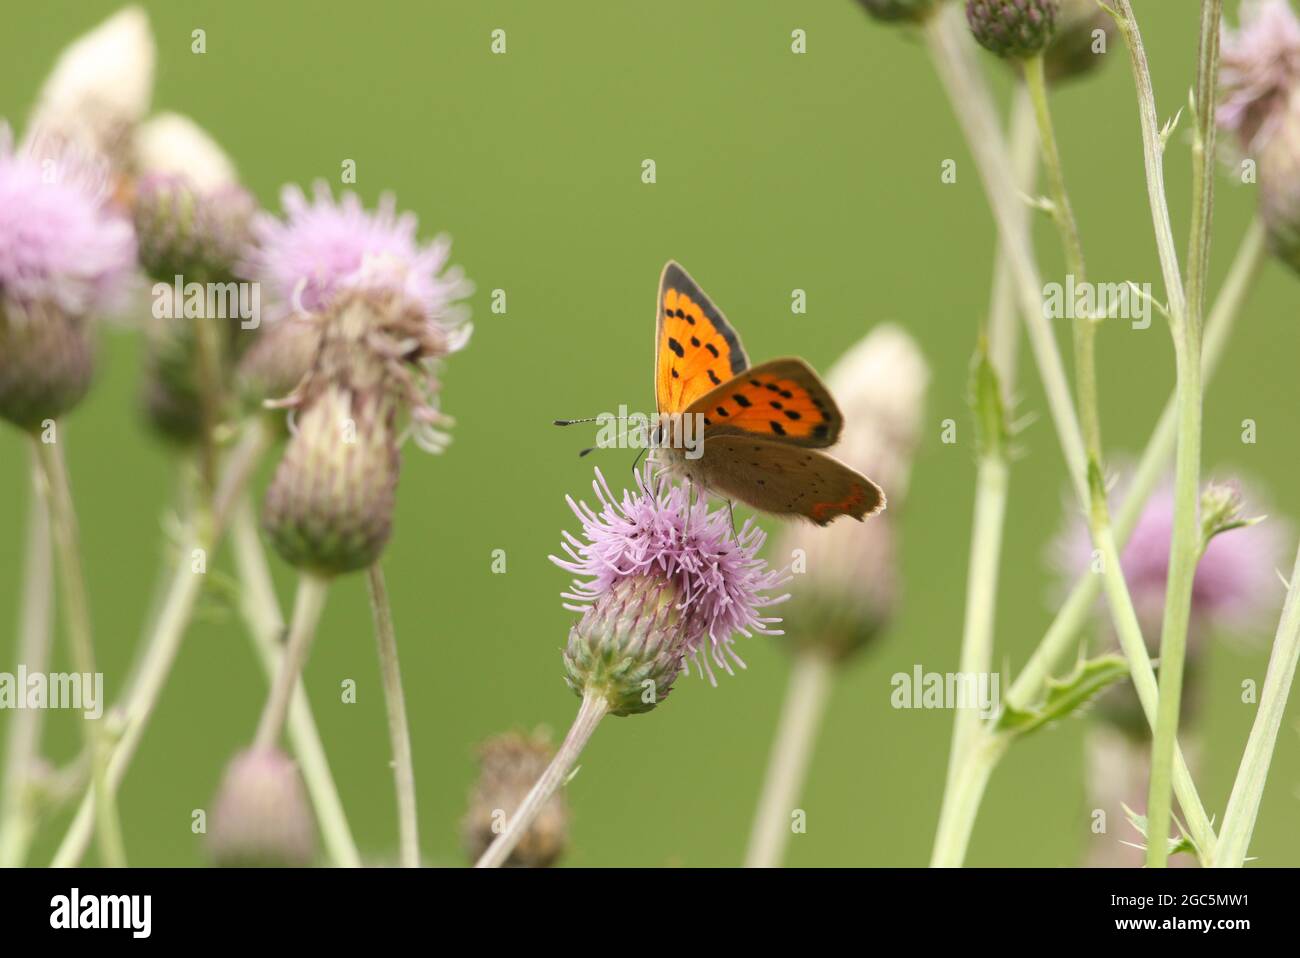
<point>572,422</point>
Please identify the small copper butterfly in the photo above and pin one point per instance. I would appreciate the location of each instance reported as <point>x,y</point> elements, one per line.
<point>762,426</point>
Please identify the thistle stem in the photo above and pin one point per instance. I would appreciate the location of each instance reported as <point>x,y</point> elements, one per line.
<point>72,586</point>
<point>1248,787</point>
<point>594,708</point>
<point>261,612</point>
<point>22,744</point>
<point>1185,326</point>
<point>972,103</point>
<point>399,731</point>
<point>307,607</point>
<point>787,769</point>
<point>1059,638</point>
<point>165,639</point>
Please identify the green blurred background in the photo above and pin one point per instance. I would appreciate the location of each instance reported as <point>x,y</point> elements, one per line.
<point>775,171</point>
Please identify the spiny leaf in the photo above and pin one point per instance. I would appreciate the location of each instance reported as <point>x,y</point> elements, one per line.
<point>1067,695</point>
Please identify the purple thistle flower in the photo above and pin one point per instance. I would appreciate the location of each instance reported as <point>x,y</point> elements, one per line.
<point>721,586</point>
<point>60,243</point>
<point>1259,67</point>
<point>1235,589</point>
<point>325,247</point>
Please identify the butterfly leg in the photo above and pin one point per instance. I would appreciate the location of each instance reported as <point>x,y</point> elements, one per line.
<point>731,511</point>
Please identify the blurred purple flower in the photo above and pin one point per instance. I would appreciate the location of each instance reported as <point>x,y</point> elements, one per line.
<point>1259,67</point>
<point>60,242</point>
<point>325,247</point>
<point>721,584</point>
<point>1235,589</point>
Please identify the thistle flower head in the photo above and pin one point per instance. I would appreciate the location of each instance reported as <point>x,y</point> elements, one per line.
<point>1012,28</point>
<point>63,255</point>
<point>60,243</point>
<point>261,816</point>
<point>325,248</point>
<point>100,87</point>
<point>1235,589</point>
<point>379,296</point>
<point>713,584</point>
<point>1259,69</point>
<point>509,765</point>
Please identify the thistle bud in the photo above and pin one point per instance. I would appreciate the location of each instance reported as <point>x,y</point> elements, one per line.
<point>509,765</point>
<point>47,361</point>
<point>630,645</point>
<point>329,508</point>
<point>1012,28</point>
<point>891,11</point>
<point>847,574</point>
<point>1083,35</point>
<point>261,817</point>
<point>100,87</point>
<point>186,232</point>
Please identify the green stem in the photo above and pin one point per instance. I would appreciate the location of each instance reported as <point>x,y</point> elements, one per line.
<point>261,612</point>
<point>962,800</point>
<point>1004,317</point>
<point>22,744</point>
<point>792,748</point>
<point>1059,638</point>
<point>399,731</point>
<point>165,639</point>
<point>1185,326</point>
<point>63,522</point>
<point>594,708</point>
<point>981,605</point>
<point>1248,787</point>
<point>307,608</point>
<point>949,46</point>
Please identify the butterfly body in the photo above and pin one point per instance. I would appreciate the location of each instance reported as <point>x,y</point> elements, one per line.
<point>761,428</point>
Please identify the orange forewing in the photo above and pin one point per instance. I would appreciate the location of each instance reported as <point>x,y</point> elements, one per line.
<point>696,349</point>
<point>783,400</point>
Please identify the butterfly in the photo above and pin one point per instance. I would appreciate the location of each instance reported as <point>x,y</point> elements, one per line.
<point>762,425</point>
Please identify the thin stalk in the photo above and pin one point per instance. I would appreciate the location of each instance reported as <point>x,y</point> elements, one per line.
<point>72,586</point>
<point>307,607</point>
<point>991,483</point>
<point>165,639</point>
<point>1057,642</point>
<point>261,612</point>
<point>1185,326</point>
<point>22,744</point>
<point>399,732</point>
<point>950,50</point>
<point>594,708</point>
<point>972,103</point>
<point>1004,317</point>
<point>1248,787</point>
<point>787,768</point>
